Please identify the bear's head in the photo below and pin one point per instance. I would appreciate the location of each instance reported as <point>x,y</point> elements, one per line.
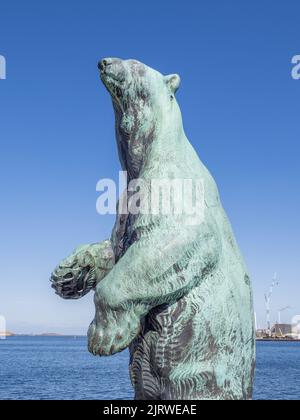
<point>144,103</point>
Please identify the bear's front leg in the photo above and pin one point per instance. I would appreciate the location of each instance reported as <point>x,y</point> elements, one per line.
<point>153,271</point>
<point>79,273</point>
<point>113,330</point>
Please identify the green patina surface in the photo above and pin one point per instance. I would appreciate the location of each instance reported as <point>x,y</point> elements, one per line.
<point>177,294</point>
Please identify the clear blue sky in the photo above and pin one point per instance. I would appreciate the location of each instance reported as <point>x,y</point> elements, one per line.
<point>241,113</point>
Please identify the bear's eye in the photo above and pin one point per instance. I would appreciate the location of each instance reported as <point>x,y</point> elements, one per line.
<point>171,97</point>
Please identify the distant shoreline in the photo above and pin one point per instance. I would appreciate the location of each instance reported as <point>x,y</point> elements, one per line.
<point>277,340</point>
<point>56,335</point>
<point>9,334</point>
<point>6,334</point>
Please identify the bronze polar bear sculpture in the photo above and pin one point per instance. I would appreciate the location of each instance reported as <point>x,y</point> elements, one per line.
<point>176,293</point>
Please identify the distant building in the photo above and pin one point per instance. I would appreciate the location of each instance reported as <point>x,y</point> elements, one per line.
<point>284,330</point>
<point>260,333</point>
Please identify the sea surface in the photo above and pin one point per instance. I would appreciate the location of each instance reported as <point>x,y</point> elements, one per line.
<point>61,368</point>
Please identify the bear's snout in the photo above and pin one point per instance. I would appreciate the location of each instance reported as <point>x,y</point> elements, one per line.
<point>106,62</point>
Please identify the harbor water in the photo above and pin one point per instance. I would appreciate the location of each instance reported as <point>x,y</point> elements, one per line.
<point>42,368</point>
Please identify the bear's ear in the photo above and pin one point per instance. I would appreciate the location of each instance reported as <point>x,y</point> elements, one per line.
<point>173,81</point>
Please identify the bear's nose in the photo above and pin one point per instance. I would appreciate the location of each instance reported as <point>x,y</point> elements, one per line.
<point>104,63</point>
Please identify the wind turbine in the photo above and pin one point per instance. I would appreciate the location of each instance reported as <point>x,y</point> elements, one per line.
<point>268,297</point>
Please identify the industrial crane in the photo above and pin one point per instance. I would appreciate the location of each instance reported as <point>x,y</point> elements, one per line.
<point>268,297</point>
